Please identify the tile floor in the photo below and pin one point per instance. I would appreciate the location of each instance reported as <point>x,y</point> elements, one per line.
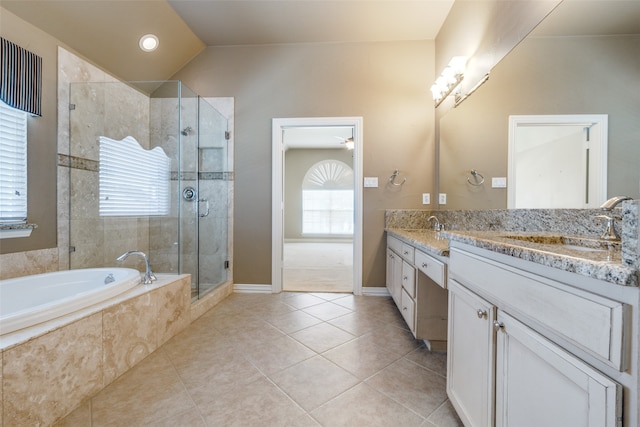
<point>291,359</point>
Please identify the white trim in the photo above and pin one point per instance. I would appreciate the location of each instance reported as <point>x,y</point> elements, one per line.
<point>277,167</point>
<point>381,291</point>
<point>598,124</point>
<point>251,289</point>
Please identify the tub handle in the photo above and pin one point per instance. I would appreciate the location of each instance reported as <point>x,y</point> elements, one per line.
<point>206,209</point>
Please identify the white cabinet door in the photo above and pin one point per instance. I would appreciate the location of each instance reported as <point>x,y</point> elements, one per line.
<point>539,384</point>
<point>470,356</point>
<point>394,275</point>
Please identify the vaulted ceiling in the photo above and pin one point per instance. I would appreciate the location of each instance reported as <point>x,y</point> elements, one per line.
<point>107,31</point>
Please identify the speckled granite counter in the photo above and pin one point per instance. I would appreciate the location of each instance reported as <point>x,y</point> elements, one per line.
<point>486,229</point>
<point>425,240</point>
<point>603,264</point>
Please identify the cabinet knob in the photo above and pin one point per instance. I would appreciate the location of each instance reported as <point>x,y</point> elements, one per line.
<point>424,265</point>
<point>498,325</point>
<point>404,308</point>
<point>406,252</point>
<point>481,313</point>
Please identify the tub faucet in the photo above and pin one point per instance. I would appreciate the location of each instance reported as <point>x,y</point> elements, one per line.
<point>437,226</point>
<point>613,202</point>
<point>149,277</point>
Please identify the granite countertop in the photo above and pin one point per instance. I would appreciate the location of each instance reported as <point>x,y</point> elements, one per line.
<point>556,250</point>
<point>426,240</point>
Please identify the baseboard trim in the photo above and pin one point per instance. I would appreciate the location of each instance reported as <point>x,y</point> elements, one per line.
<point>375,291</point>
<point>251,289</point>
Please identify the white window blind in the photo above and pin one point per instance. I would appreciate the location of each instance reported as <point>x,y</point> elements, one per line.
<point>13,165</point>
<point>133,181</point>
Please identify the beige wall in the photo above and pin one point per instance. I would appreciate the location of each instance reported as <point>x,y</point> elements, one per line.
<point>42,139</point>
<point>385,83</point>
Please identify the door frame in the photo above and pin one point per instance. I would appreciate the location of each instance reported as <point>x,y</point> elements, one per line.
<point>277,204</point>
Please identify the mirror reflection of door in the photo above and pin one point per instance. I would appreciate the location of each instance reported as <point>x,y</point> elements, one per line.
<point>557,161</point>
<point>318,209</point>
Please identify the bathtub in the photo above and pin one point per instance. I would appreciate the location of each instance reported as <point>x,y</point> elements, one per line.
<point>31,300</point>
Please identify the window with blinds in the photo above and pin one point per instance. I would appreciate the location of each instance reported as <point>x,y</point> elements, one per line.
<point>13,165</point>
<point>133,181</point>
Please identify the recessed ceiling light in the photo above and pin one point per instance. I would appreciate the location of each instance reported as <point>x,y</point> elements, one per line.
<point>149,42</point>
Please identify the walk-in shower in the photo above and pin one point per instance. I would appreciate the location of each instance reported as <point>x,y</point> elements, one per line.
<point>193,237</point>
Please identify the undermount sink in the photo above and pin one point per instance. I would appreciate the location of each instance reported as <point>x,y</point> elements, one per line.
<point>584,244</point>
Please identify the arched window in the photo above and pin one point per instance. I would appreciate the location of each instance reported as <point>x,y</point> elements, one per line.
<point>327,199</point>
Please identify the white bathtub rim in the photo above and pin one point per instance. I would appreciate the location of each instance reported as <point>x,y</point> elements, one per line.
<point>27,317</point>
<point>21,336</point>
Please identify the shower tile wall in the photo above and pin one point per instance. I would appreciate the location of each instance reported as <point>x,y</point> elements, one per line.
<point>103,107</point>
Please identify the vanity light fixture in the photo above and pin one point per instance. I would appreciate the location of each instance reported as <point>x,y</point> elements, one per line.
<point>449,79</point>
<point>149,42</point>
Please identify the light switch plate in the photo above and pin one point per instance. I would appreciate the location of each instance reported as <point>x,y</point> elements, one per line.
<point>426,198</point>
<point>370,181</point>
<point>499,182</point>
<point>442,198</point>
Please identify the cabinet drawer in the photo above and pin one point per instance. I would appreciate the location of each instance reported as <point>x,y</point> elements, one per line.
<point>394,244</point>
<point>407,252</point>
<point>409,279</point>
<point>431,267</point>
<point>408,308</point>
<point>589,322</point>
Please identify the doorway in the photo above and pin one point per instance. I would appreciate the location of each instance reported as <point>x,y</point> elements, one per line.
<point>317,205</point>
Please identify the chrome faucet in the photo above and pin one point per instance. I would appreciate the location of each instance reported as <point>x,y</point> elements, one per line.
<point>613,202</point>
<point>610,232</point>
<point>149,277</point>
<point>437,225</point>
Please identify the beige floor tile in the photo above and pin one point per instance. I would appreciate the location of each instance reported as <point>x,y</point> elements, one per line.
<point>302,300</point>
<point>189,418</point>
<point>419,389</point>
<point>327,310</point>
<point>356,323</point>
<point>322,337</point>
<point>257,403</point>
<point>364,406</point>
<point>278,354</point>
<point>398,340</point>
<point>445,416</point>
<point>361,357</point>
<point>149,392</point>
<point>294,321</point>
<point>435,361</point>
<point>314,382</point>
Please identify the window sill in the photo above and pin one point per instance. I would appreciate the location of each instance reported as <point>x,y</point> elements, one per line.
<point>11,231</point>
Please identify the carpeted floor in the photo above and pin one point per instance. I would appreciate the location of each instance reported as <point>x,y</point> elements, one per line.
<point>318,267</point>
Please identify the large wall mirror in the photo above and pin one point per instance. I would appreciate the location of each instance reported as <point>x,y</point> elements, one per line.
<point>584,58</point>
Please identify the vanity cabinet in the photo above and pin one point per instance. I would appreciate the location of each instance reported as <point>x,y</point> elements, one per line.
<point>518,348</point>
<point>416,282</point>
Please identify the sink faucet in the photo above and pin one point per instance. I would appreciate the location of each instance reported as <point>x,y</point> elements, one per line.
<point>149,277</point>
<point>610,232</point>
<point>437,226</point>
<point>613,202</point>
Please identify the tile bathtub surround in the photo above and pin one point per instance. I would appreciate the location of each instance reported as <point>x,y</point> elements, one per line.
<point>282,359</point>
<point>46,377</point>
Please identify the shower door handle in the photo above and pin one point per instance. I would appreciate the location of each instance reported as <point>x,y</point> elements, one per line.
<point>206,211</point>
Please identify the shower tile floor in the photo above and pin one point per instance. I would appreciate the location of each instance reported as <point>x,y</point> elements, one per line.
<point>289,359</point>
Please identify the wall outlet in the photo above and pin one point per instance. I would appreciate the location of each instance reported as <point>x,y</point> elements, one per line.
<point>426,198</point>
<point>371,181</point>
<point>499,182</point>
<point>442,198</point>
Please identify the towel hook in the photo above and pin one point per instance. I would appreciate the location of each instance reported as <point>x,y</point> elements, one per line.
<point>475,175</point>
<point>394,175</point>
